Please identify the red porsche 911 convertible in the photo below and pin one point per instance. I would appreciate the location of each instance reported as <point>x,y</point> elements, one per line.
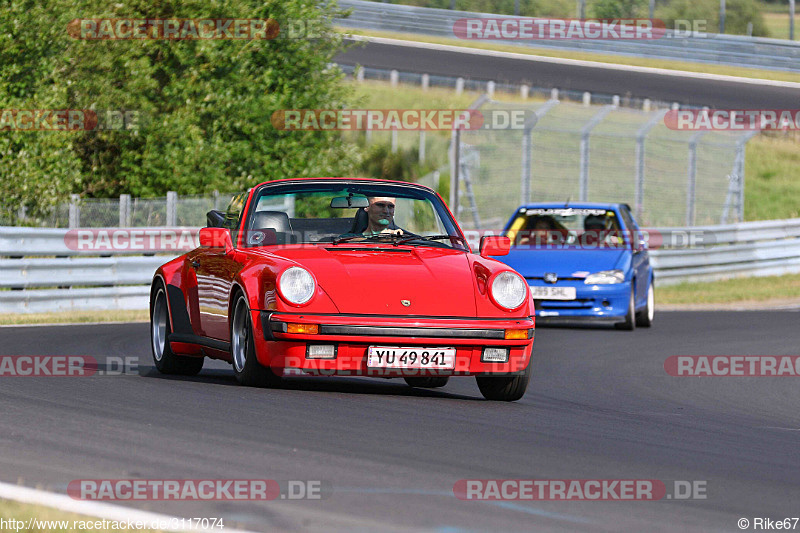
<point>341,276</point>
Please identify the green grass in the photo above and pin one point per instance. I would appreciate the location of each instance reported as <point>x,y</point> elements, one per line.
<point>24,512</point>
<point>737,290</point>
<point>778,24</point>
<point>589,56</point>
<point>70,317</point>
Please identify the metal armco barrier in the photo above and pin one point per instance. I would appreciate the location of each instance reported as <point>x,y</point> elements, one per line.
<point>40,273</point>
<point>735,50</point>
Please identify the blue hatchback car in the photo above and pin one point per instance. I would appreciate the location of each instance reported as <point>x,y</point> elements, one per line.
<point>583,261</point>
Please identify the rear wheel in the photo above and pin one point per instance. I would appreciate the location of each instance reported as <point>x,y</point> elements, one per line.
<point>505,388</point>
<point>630,319</point>
<point>429,382</point>
<point>165,360</point>
<point>644,318</point>
<point>246,367</point>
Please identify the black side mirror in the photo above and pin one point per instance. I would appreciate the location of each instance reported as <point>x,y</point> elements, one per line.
<point>215,219</point>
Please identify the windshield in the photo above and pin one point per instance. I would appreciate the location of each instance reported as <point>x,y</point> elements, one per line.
<point>353,212</point>
<point>548,227</point>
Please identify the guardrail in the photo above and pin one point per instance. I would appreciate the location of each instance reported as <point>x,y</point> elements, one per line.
<point>40,272</point>
<point>734,50</point>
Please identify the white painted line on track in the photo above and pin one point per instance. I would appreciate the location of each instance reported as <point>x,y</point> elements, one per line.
<point>574,62</point>
<point>119,513</point>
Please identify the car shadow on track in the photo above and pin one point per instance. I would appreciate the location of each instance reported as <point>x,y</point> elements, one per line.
<point>345,385</point>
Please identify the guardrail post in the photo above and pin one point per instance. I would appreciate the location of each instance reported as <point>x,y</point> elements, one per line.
<point>394,78</point>
<point>640,138</point>
<point>74,211</point>
<point>524,91</point>
<point>426,81</point>
<point>490,89</point>
<point>421,146</point>
<point>459,85</point>
<point>124,210</point>
<point>585,132</point>
<point>455,165</point>
<point>394,140</point>
<point>360,75</point>
<point>172,208</point>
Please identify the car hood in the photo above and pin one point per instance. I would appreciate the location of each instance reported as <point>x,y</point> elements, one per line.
<point>564,262</point>
<point>377,279</point>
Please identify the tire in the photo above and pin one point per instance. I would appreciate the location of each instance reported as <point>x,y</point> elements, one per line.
<point>505,388</point>
<point>630,318</point>
<point>429,382</point>
<point>644,318</point>
<point>165,360</point>
<point>246,367</point>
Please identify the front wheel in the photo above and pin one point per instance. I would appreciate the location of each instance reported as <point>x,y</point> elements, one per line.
<point>428,382</point>
<point>246,367</point>
<point>630,318</point>
<point>505,388</point>
<point>165,360</point>
<point>644,318</point>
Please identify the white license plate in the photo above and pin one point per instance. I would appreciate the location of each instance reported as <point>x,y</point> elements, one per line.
<point>411,357</point>
<point>553,293</point>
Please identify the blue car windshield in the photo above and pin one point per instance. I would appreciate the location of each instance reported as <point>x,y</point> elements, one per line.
<point>566,227</point>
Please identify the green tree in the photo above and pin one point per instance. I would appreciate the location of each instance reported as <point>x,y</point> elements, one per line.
<point>204,106</point>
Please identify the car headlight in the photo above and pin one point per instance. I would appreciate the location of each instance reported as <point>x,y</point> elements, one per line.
<point>605,277</point>
<point>509,290</point>
<point>297,285</point>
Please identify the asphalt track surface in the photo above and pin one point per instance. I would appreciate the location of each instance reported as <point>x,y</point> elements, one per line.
<point>686,91</point>
<point>600,406</point>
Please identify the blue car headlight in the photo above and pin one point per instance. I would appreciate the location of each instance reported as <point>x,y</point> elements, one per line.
<point>605,277</point>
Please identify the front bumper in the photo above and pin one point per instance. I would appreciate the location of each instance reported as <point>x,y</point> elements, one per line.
<point>595,303</point>
<point>354,334</point>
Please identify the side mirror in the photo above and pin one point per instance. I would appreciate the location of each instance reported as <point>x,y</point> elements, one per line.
<point>216,238</point>
<point>215,219</point>
<point>494,245</point>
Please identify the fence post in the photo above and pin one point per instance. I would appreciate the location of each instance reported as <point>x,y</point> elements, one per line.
<point>74,211</point>
<point>455,164</point>
<point>172,208</point>
<point>691,180</point>
<point>585,132</point>
<point>527,148</point>
<point>640,138</point>
<point>421,146</point>
<point>394,140</point>
<point>124,210</point>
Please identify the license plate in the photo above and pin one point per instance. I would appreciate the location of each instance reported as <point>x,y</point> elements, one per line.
<point>553,293</point>
<point>411,357</point>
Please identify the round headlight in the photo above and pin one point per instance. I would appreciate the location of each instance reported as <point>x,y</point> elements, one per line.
<point>297,285</point>
<point>509,290</point>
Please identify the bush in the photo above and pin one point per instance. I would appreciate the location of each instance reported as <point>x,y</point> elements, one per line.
<point>737,14</point>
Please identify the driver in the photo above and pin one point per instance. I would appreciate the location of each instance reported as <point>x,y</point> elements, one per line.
<point>380,213</point>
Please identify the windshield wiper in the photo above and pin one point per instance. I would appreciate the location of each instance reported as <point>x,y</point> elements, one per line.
<point>379,236</point>
<point>430,238</point>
